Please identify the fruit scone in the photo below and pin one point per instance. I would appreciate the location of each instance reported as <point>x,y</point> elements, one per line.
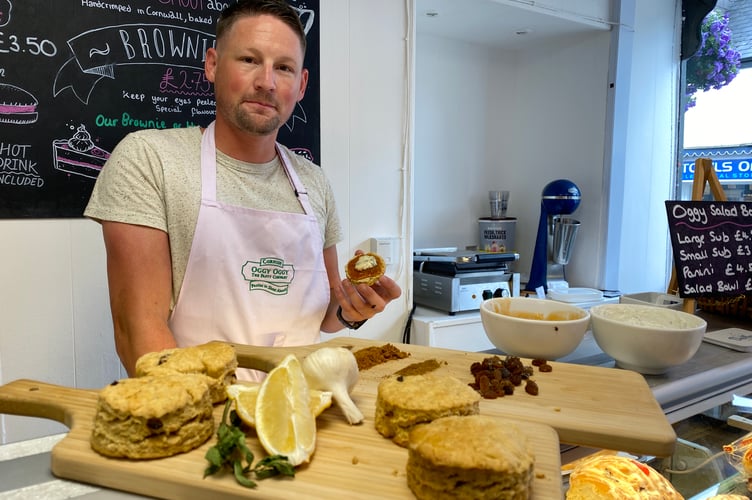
<point>402,402</point>
<point>215,360</point>
<point>473,456</point>
<point>153,416</point>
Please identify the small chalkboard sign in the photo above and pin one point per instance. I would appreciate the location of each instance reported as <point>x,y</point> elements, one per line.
<point>712,247</point>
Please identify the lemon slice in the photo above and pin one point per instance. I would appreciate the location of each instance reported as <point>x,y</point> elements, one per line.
<point>285,424</point>
<point>245,395</point>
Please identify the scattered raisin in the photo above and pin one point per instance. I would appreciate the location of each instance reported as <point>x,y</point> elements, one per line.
<point>496,377</point>
<point>531,388</point>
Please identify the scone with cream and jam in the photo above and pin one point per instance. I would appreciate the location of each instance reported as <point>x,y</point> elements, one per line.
<point>365,269</point>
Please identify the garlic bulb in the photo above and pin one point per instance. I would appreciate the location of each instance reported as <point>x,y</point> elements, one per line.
<point>334,369</point>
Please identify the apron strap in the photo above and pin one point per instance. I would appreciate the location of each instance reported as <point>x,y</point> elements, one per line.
<point>297,185</point>
<point>208,165</point>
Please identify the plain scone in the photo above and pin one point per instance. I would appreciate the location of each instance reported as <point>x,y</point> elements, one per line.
<point>216,360</point>
<point>470,457</point>
<point>153,416</point>
<point>402,402</point>
<point>618,478</point>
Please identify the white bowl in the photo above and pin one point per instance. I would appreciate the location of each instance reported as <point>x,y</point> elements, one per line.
<point>509,325</point>
<point>646,339</point>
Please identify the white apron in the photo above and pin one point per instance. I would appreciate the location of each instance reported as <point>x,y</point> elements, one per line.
<point>253,276</point>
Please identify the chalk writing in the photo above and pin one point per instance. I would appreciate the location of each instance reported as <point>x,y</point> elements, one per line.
<point>5,8</point>
<point>77,76</point>
<point>16,166</point>
<point>712,246</point>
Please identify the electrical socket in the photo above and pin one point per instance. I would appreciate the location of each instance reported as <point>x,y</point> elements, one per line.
<point>387,248</point>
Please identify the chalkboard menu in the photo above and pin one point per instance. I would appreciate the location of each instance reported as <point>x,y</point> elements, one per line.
<point>77,75</point>
<point>712,247</point>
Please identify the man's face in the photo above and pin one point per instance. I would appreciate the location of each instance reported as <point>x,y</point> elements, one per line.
<point>258,75</point>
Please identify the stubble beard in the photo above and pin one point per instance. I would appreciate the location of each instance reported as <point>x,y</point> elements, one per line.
<point>254,124</point>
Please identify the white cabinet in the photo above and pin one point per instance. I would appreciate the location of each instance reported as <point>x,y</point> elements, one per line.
<point>462,331</point>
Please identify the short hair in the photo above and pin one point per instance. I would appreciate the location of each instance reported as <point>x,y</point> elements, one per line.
<point>250,8</point>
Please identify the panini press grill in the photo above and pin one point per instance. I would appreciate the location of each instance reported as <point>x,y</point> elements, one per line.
<point>455,281</point>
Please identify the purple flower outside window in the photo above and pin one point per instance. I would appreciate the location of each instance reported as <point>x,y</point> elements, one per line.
<point>716,62</point>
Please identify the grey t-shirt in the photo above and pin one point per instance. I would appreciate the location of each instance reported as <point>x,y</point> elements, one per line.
<point>153,178</point>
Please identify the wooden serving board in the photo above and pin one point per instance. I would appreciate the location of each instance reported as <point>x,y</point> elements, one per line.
<point>599,407</point>
<point>587,405</point>
<point>349,460</point>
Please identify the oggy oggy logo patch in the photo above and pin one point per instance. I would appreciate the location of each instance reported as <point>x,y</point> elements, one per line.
<point>269,274</point>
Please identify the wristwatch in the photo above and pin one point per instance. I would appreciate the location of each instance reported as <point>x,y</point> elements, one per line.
<point>354,325</point>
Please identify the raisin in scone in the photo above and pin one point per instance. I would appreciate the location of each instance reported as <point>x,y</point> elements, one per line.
<point>402,402</point>
<point>215,360</point>
<point>474,456</point>
<point>153,416</point>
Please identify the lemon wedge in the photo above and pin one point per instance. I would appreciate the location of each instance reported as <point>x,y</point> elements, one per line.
<point>285,424</point>
<point>245,395</point>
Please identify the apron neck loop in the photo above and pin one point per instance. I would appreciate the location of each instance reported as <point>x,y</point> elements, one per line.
<point>209,171</point>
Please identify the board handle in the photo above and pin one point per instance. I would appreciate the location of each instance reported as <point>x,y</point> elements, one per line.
<point>266,358</point>
<point>32,398</point>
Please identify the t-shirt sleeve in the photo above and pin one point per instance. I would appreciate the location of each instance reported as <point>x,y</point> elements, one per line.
<point>130,187</point>
<point>333,229</point>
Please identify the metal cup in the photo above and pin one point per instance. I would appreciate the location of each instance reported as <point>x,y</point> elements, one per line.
<point>498,200</point>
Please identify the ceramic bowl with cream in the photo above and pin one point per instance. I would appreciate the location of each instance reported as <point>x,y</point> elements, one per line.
<point>646,339</point>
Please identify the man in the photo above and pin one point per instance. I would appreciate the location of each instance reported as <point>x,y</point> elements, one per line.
<point>223,233</point>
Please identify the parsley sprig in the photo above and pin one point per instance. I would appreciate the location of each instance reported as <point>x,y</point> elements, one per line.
<point>232,452</point>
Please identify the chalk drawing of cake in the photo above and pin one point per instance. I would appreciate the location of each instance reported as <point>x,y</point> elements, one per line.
<point>78,155</point>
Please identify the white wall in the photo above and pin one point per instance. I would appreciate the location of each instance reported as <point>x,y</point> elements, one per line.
<point>55,324</point>
<point>647,134</point>
<point>493,119</point>
<point>487,118</point>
